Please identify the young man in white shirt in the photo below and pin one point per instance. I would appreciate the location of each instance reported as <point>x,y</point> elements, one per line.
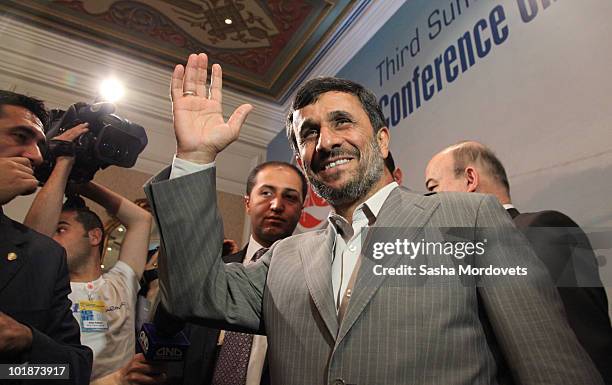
<point>103,304</point>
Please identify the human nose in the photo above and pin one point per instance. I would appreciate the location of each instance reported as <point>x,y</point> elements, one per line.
<point>277,204</point>
<point>32,152</point>
<point>328,139</point>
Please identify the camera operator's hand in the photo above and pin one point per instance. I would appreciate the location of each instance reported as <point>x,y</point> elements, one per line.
<point>44,213</point>
<point>69,136</point>
<point>15,338</point>
<point>201,132</point>
<point>16,178</point>
<point>74,132</point>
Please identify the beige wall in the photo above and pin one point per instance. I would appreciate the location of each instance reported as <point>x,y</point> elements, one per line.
<point>129,183</point>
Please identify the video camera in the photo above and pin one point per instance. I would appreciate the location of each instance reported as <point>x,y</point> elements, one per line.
<point>110,141</point>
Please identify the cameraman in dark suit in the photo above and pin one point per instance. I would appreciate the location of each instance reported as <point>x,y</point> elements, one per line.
<point>557,240</point>
<point>36,324</point>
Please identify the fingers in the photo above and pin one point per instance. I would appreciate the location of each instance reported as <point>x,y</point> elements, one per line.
<point>191,74</point>
<point>19,163</point>
<point>176,84</point>
<point>202,64</point>
<point>191,78</point>
<point>26,184</point>
<point>143,379</point>
<point>16,178</point>
<point>239,116</point>
<point>216,83</point>
<point>74,132</point>
<point>142,372</point>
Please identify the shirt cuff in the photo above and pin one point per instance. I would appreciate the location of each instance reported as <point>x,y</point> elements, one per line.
<point>182,167</point>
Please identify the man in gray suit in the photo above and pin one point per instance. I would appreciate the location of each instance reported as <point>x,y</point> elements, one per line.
<point>329,317</point>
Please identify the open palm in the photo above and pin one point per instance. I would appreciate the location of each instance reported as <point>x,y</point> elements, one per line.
<point>201,132</point>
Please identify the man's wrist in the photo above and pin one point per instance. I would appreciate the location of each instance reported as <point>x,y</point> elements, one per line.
<point>62,148</point>
<point>198,157</point>
<point>66,161</point>
<point>24,348</point>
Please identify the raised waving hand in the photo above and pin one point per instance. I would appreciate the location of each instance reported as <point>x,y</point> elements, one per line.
<point>201,132</point>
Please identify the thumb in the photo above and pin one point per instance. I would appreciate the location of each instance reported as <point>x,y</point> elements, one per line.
<point>239,116</point>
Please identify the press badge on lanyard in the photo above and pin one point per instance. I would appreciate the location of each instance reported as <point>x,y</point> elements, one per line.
<point>93,313</point>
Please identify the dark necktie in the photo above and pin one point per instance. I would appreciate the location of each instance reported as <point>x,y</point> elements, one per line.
<point>233,360</point>
<point>259,253</point>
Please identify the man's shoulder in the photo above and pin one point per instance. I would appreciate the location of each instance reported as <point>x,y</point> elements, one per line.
<point>36,244</point>
<point>447,199</point>
<point>122,279</point>
<point>546,218</point>
<point>302,237</point>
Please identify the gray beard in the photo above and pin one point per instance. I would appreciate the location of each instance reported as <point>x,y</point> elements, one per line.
<point>368,174</point>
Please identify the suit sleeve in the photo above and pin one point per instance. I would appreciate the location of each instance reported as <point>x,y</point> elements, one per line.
<point>567,253</point>
<point>61,342</point>
<point>195,283</point>
<point>525,311</point>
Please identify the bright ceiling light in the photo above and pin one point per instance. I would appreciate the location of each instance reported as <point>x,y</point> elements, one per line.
<point>111,90</point>
<point>228,21</point>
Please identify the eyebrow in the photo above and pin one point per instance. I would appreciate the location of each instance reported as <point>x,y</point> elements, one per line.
<point>63,223</point>
<point>337,115</point>
<point>284,189</point>
<point>30,132</point>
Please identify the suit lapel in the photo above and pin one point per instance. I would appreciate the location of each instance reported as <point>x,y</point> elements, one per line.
<point>401,217</point>
<point>12,240</point>
<point>236,257</point>
<point>316,254</point>
<point>513,212</point>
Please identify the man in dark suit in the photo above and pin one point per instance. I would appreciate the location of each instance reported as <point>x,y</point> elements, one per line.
<point>557,240</point>
<point>334,313</point>
<point>275,194</point>
<point>36,324</point>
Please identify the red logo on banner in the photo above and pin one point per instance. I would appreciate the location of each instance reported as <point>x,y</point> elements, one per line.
<point>315,211</point>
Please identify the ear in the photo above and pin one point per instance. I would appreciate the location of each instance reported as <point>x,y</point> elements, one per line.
<point>383,137</point>
<point>299,162</point>
<point>95,236</point>
<point>247,203</point>
<point>398,176</point>
<point>472,178</point>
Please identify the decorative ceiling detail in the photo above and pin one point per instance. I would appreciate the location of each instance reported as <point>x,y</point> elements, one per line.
<point>262,45</point>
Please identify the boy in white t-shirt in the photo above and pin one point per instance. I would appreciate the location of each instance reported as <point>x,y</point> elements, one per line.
<point>103,304</point>
<point>109,334</point>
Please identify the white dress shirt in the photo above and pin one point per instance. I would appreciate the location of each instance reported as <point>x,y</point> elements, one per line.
<point>347,247</point>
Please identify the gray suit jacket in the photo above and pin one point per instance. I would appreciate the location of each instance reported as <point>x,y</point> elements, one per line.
<point>396,330</point>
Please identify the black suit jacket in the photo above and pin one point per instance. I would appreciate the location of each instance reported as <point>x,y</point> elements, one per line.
<point>565,250</point>
<point>200,359</point>
<point>34,291</point>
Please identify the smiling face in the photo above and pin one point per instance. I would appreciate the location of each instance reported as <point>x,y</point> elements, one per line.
<point>274,204</point>
<point>337,148</point>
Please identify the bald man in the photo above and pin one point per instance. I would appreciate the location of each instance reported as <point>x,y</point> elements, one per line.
<point>558,241</point>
